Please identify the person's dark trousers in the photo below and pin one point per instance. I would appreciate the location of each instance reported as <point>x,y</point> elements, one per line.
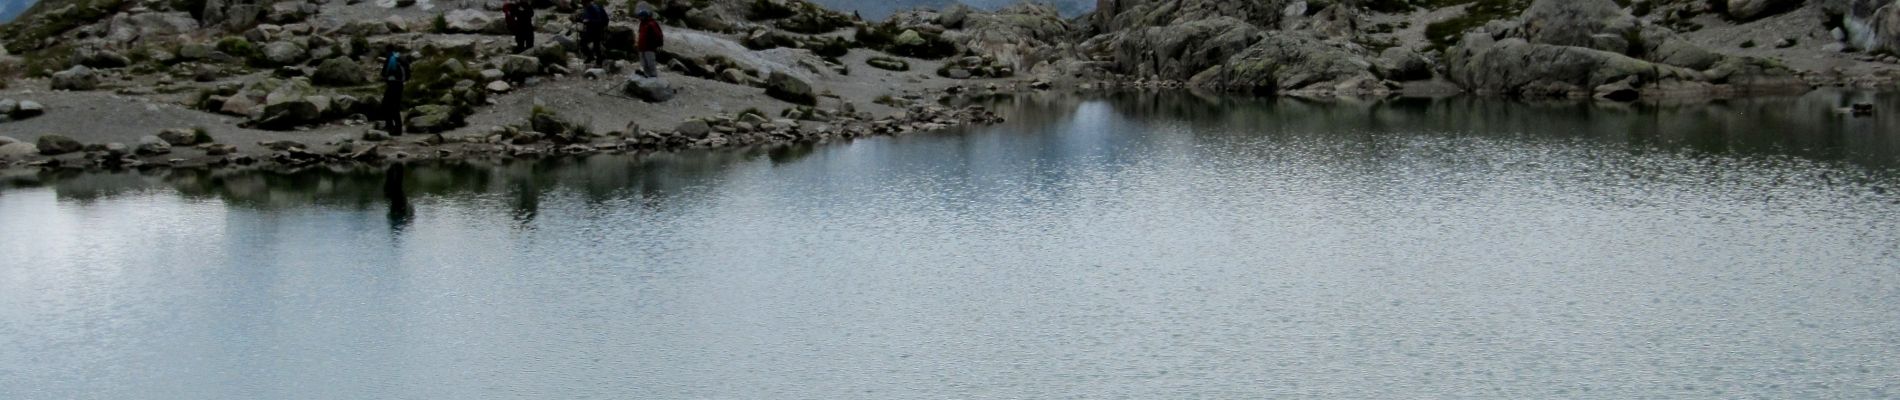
<point>524,39</point>
<point>591,46</point>
<point>392,108</point>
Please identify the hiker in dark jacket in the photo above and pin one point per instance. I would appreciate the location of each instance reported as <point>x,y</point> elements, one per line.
<point>520,17</point>
<point>648,44</point>
<point>593,31</point>
<point>395,75</point>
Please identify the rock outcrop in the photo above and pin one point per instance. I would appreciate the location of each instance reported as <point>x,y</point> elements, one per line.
<point>1581,48</point>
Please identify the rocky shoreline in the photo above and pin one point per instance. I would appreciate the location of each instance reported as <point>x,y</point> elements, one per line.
<point>264,83</point>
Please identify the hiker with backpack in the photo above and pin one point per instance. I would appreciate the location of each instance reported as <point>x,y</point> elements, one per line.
<point>519,14</point>
<point>395,75</point>
<point>649,43</point>
<point>594,19</point>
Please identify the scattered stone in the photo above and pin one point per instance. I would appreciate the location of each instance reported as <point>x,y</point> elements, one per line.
<point>152,145</point>
<point>695,129</point>
<point>789,88</point>
<point>281,145</point>
<point>651,90</point>
<point>76,78</point>
<point>373,135</point>
<point>184,137</point>
<point>518,66</point>
<point>219,149</point>
<point>499,87</point>
<point>284,53</point>
<point>340,71</point>
<point>24,109</point>
<point>54,145</point>
<point>493,75</point>
<point>1785,43</point>
<point>14,150</point>
<point>888,64</point>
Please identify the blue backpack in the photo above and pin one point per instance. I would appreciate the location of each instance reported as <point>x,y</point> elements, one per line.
<point>392,71</point>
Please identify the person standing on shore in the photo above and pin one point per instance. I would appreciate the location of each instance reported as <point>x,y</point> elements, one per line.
<point>395,75</point>
<point>594,19</point>
<point>520,18</point>
<point>648,44</point>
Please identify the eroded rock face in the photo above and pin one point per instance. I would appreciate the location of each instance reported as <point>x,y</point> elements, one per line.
<point>128,28</point>
<point>1121,15</point>
<point>1517,67</point>
<point>1292,63</point>
<point>1179,52</point>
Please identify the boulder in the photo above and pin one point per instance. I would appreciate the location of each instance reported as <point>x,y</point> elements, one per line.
<point>499,87</point>
<point>293,103</point>
<point>694,129</point>
<point>7,106</point>
<point>54,145</point>
<point>1579,23</point>
<point>1401,64</point>
<point>131,27</point>
<point>151,145</point>
<point>16,150</point>
<point>1293,62</point>
<point>1178,52</point>
<point>888,64</point>
<point>433,118</point>
<point>242,106</point>
<point>76,78</point>
<point>651,90</point>
<point>284,52</point>
<point>26,109</point>
<point>178,137</point>
<point>1753,9</point>
<point>1520,68</point>
<point>474,21</point>
<point>518,67</point>
<point>99,58</point>
<point>340,71</point>
<point>782,86</point>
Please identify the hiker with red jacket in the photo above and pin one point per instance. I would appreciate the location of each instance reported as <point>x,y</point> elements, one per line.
<point>649,43</point>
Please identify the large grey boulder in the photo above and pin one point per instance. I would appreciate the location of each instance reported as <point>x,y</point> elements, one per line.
<point>1752,9</point>
<point>433,118</point>
<point>1295,63</point>
<point>293,103</point>
<point>76,78</point>
<point>1519,68</point>
<point>474,21</point>
<point>651,90</point>
<point>54,145</point>
<point>16,150</point>
<point>25,109</point>
<point>1401,64</point>
<point>1180,51</point>
<point>284,52</point>
<point>340,71</point>
<point>127,28</point>
<point>789,88</point>
<point>152,145</point>
<point>519,67</point>
<point>696,129</point>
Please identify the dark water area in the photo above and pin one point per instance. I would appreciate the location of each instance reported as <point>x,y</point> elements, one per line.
<point>1132,245</point>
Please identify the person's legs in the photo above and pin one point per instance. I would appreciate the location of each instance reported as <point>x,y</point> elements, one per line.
<point>392,109</point>
<point>650,62</point>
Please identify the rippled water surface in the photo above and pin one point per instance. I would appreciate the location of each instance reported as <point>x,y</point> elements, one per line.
<point>1101,247</point>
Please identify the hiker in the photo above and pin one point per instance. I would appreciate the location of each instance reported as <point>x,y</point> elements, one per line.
<point>593,31</point>
<point>395,75</point>
<point>648,44</point>
<point>520,18</point>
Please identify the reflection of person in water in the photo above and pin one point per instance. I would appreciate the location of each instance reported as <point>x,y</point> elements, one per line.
<point>400,214</point>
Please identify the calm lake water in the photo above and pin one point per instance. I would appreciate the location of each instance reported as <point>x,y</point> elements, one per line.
<point>1096,247</point>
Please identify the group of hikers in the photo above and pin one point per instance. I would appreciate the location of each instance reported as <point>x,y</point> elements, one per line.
<point>519,18</point>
